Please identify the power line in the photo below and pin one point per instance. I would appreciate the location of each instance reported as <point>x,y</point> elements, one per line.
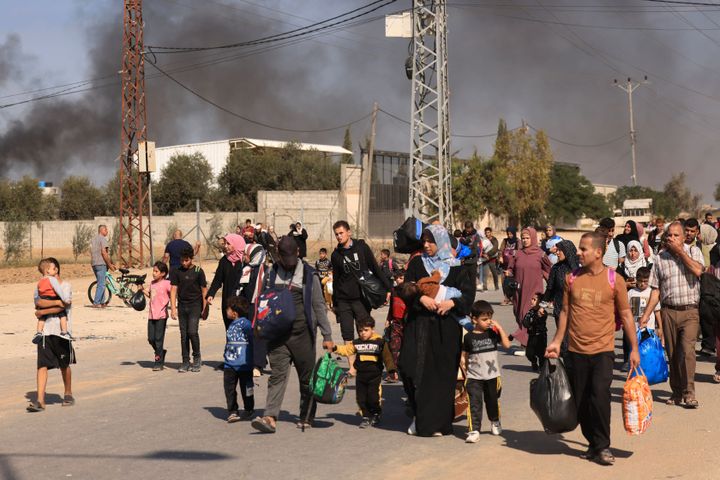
<point>581,145</point>
<point>247,119</point>
<point>683,2</point>
<point>312,28</point>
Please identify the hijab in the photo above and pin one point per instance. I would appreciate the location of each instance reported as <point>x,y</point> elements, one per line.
<point>708,237</point>
<point>443,258</point>
<point>570,252</point>
<point>511,242</point>
<point>238,244</point>
<point>533,247</point>
<point>632,266</point>
<point>626,238</point>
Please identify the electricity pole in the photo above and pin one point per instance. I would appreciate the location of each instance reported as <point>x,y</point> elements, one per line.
<point>629,88</point>
<point>430,193</point>
<point>133,197</point>
<point>366,179</point>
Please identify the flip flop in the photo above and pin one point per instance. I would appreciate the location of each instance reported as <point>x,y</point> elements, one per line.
<point>35,407</point>
<point>68,401</point>
<point>262,425</point>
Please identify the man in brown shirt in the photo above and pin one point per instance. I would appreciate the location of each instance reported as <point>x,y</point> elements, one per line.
<point>588,314</point>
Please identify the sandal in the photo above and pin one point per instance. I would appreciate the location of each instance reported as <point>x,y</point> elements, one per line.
<point>303,425</point>
<point>716,377</point>
<point>674,401</point>
<point>691,403</point>
<point>68,401</point>
<point>263,425</point>
<point>35,407</point>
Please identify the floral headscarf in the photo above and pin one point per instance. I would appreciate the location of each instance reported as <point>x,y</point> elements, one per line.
<point>443,258</point>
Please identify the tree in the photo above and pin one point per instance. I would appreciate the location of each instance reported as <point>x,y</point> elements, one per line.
<point>25,201</point>
<point>572,196</point>
<point>81,239</point>
<point>15,240</point>
<point>347,144</point>
<point>467,188</point>
<point>681,195</point>
<point>289,168</point>
<point>79,199</point>
<point>184,179</point>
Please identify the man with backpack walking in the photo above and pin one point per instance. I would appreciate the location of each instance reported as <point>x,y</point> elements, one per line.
<point>297,346</point>
<point>593,296</point>
<point>350,260</point>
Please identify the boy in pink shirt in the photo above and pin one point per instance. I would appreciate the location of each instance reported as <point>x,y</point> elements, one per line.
<point>157,321</point>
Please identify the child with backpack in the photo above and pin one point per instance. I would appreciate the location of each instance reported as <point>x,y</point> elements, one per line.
<point>187,301</point>
<point>239,360</point>
<point>535,321</point>
<point>480,362</point>
<point>159,296</point>
<point>371,353</point>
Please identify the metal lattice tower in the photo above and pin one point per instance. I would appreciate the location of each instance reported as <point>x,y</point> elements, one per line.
<point>430,195</point>
<point>133,197</point>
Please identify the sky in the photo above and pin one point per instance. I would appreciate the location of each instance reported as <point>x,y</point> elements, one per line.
<point>549,62</point>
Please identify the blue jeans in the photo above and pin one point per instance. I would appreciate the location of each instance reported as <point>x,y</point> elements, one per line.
<point>100,271</point>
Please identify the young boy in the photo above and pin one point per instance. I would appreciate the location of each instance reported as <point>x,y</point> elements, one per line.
<point>323,266</point>
<point>387,265</point>
<point>638,298</point>
<point>47,289</point>
<point>536,323</point>
<point>431,287</point>
<point>480,362</point>
<point>187,301</point>
<point>239,360</point>
<point>371,352</point>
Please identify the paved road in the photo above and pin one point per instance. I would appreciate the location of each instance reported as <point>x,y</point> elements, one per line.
<point>130,422</point>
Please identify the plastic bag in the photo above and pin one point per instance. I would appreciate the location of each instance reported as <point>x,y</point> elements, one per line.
<point>552,400</point>
<point>637,403</point>
<point>652,356</point>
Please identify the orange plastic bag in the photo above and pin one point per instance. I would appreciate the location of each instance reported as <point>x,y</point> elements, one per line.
<point>637,403</point>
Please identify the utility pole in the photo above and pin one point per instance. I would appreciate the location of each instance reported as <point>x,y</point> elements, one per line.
<point>430,192</point>
<point>366,178</point>
<point>133,197</point>
<point>629,88</point>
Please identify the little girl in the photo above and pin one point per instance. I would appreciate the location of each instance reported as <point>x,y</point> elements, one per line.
<point>157,320</point>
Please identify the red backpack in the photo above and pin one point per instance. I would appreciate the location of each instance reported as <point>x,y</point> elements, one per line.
<point>611,280</point>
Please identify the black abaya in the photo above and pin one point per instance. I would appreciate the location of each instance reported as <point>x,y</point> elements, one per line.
<point>430,353</point>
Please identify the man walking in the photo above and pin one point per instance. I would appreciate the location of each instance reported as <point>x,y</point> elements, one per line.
<point>675,282</point>
<point>175,247</point>
<point>100,262</point>
<point>590,301</point>
<point>351,259</point>
<point>615,249</point>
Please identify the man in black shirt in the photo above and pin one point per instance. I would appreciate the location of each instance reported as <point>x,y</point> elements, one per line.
<point>187,301</point>
<point>350,260</point>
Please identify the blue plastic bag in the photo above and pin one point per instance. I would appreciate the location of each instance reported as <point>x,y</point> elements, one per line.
<point>652,356</point>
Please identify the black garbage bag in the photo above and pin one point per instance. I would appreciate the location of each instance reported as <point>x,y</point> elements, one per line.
<point>552,400</point>
<point>406,239</point>
<point>137,301</point>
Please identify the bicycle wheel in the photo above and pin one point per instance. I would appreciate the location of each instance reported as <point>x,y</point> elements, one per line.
<point>91,293</point>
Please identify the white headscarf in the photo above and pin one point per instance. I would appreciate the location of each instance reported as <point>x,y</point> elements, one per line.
<point>632,266</point>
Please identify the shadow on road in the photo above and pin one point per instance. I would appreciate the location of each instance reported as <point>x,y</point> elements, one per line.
<point>50,398</point>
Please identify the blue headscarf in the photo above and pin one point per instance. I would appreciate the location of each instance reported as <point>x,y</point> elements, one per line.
<point>444,258</point>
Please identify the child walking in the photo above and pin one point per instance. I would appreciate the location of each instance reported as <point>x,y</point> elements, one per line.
<point>47,289</point>
<point>535,321</point>
<point>187,301</point>
<point>159,296</point>
<point>638,297</point>
<point>371,352</point>
<point>239,360</point>
<point>480,362</point>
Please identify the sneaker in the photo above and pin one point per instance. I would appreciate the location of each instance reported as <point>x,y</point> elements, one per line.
<point>519,352</point>
<point>233,417</point>
<point>411,429</point>
<point>37,339</point>
<point>496,428</point>
<point>246,415</point>
<point>157,367</point>
<point>437,434</point>
<point>587,454</point>
<point>604,457</point>
<point>197,363</point>
<point>184,368</point>
<point>472,437</point>
<point>365,422</point>
<point>375,420</point>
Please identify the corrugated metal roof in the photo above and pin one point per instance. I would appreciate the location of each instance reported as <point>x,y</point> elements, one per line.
<point>258,142</point>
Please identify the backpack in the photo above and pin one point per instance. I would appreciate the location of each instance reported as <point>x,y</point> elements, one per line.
<point>238,346</point>
<point>406,239</point>
<point>709,307</point>
<point>611,280</point>
<point>327,381</point>
<point>275,311</point>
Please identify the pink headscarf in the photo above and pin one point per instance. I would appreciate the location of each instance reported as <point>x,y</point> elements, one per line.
<point>238,244</point>
<point>533,241</point>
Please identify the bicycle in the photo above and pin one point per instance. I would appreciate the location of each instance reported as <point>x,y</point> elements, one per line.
<point>124,286</point>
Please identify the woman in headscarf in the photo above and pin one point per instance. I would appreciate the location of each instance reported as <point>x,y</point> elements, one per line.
<point>629,234</point>
<point>708,237</point>
<point>567,263</point>
<point>508,249</point>
<point>634,259</point>
<point>228,272</point>
<point>430,352</point>
<point>529,267</point>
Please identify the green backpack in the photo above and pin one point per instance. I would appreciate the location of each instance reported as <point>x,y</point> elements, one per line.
<point>328,380</point>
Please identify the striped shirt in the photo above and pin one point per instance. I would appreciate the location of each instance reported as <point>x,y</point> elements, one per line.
<point>612,257</point>
<point>678,286</point>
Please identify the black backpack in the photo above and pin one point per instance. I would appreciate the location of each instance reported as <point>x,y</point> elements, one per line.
<point>709,298</point>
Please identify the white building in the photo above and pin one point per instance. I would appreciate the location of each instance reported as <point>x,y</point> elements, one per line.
<point>218,152</point>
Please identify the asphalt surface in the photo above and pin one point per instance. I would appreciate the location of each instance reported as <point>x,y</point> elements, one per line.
<point>130,422</point>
